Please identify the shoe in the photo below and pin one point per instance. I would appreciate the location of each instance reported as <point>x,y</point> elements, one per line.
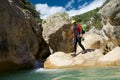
<point>73,55</point>
<point>84,52</point>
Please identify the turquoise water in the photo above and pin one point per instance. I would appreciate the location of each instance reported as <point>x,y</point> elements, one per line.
<point>112,73</point>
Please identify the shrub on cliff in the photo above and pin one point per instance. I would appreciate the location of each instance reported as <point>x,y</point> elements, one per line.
<point>31,8</point>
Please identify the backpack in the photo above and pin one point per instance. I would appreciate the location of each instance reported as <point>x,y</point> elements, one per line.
<point>81,27</point>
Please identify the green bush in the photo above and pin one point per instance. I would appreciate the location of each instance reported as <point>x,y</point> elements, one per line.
<point>31,8</point>
<point>86,17</point>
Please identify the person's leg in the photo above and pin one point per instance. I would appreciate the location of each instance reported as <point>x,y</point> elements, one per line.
<point>79,42</point>
<point>75,44</point>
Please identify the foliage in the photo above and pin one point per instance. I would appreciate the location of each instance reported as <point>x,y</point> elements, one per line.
<point>105,3</point>
<point>31,8</point>
<point>91,18</point>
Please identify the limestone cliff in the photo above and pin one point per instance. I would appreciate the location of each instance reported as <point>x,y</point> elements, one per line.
<point>21,39</point>
<point>111,21</point>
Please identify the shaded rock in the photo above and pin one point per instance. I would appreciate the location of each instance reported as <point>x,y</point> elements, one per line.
<point>61,40</point>
<point>19,44</point>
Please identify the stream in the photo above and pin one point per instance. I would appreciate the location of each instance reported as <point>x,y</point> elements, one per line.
<point>106,73</point>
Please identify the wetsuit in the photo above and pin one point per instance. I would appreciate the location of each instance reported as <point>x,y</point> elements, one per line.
<point>77,29</point>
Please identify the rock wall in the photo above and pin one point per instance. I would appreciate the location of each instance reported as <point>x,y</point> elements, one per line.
<point>111,21</point>
<point>20,37</point>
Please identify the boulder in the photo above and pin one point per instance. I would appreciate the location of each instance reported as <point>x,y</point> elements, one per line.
<point>112,58</point>
<point>93,41</point>
<point>54,23</point>
<point>90,59</point>
<point>57,32</point>
<point>63,60</point>
<point>20,37</point>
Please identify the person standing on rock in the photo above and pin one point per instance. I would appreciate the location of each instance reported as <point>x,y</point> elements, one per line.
<point>77,35</point>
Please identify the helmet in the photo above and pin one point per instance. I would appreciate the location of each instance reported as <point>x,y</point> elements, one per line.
<point>73,21</point>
